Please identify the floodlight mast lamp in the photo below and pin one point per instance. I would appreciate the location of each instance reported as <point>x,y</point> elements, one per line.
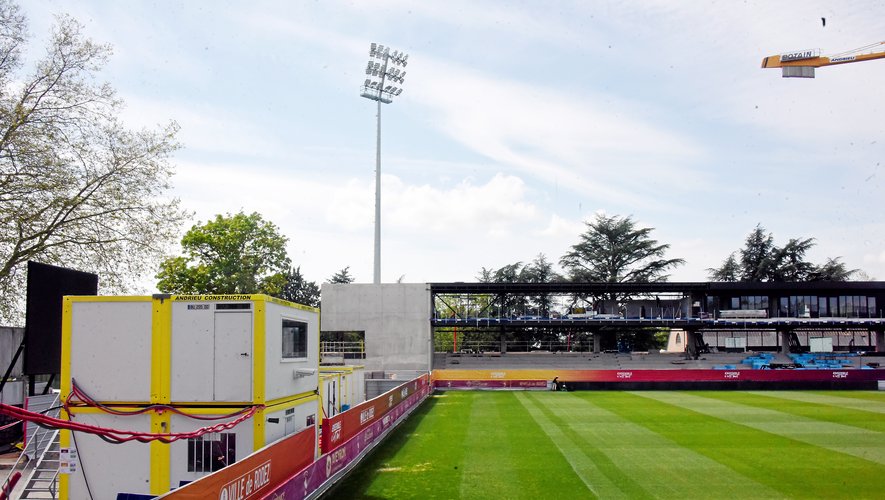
<point>383,65</point>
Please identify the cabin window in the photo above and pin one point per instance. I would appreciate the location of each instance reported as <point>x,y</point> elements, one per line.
<point>294,339</point>
<point>211,452</point>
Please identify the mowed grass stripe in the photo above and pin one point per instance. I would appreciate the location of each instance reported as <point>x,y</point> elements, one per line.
<point>595,480</point>
<point>793,468</point>
<point>863,395</point>
<point>508,455</point>
<point>464,444</point>
<point>667,469</point>
<point>741,408</point>
<point>400,468</point>
<point>529,461</point>
<point>489,465</point>
<point>869,415</point>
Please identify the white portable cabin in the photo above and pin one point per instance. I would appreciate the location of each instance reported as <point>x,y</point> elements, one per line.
<point>207,355</point>
<point>330,394</point>
<point>352,384</point>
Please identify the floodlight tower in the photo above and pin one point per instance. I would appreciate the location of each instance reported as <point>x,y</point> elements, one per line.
<point>384,65</point>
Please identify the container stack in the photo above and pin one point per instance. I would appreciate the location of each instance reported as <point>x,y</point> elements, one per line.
<point>173,365</point>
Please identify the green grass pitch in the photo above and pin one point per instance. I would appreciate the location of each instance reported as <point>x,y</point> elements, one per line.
<point>654,444</point>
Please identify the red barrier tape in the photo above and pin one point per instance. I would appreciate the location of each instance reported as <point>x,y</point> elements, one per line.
<point>117,436</point>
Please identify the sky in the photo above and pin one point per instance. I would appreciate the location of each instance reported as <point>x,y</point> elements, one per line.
<point>518,123</point>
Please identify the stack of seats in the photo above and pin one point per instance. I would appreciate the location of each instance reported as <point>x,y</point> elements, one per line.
<point>812,362</point>
<point>759,361</point>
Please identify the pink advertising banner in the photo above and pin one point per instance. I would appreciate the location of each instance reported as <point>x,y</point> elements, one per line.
<point>340,428</point>
<point>539,378</point>
<point>315,475</point>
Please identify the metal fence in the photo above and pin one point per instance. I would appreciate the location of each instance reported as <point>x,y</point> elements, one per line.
<point>343,349</point>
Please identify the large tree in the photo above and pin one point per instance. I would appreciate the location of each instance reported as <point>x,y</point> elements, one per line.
<point>540,270</point>
<point>730,270</point>
<point>762,260</point>
<point>790,263</point>
<point>833,270</point>
<point>509,304</point>
<point>231,254</point>
<point>613,250</point>
<point>77,188</point>
<point>757,259</point>
<point>299,290</point>
<point>342,277</point>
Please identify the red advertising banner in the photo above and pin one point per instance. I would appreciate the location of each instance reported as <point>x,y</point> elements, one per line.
<point>312,478</point>
<point>491,384</point>
<point>339,429</point>
<point>539,378</point>
<point>256,474</point>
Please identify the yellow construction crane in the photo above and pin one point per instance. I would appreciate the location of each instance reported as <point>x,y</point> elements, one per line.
<point>801,63</point>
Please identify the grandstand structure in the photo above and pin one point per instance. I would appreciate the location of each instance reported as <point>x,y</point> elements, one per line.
<point>498,334</point>
<point>785,314</point>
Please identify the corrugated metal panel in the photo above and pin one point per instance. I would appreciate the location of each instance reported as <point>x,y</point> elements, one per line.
<point>798,72</point>
<point>10,340</point>
<point>40,404</point>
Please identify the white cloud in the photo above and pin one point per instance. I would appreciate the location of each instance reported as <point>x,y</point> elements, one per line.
<point>559,227</point>
<point>874,258</point>
<point>495,208</point>
<point>324,215</point>
<point>600,145</point>
<point>204,129</point>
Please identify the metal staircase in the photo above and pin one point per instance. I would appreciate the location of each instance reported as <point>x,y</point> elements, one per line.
<point>43,482</point>
<point>38,462</point>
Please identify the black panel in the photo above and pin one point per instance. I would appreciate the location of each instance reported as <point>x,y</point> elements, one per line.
<point>46,287</point>
<point>230,307</point>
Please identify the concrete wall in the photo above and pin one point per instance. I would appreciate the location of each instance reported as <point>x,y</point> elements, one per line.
<point>10,339</point>
<point>676,341</point>
<point>14,392</point>
<point>395,318</point>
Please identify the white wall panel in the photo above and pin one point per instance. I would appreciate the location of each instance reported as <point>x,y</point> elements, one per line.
<point>111,349</point>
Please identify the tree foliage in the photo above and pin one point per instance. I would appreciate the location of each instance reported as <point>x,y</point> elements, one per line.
<point>299,290</point>
<point>761,260</point>
<point>790,263</point>
<point>540,270</point>
<point>342,276</point>
<point>613,250</point>
<point>833,270</point>
<point>231,254</point>
<point>77,188</point>
<point>757,259</point>
<point>729,271</point>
